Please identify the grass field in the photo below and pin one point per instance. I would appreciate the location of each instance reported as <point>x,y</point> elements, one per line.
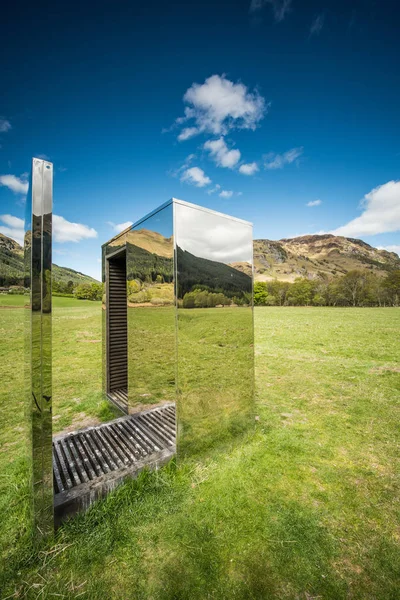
<point>306,507</point>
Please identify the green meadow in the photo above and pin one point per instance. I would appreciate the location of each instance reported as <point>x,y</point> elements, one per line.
<point>305,506</point>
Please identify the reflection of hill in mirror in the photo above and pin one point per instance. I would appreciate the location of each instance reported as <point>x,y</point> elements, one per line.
<point>153,242</point>
<point>244,267</point>
<point>205,283</point>
<point>149,268</point>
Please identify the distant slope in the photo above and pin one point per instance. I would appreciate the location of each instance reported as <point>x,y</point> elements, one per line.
<point>11,261</point>
<point>312,256</point>
<point>318,256</point>
<point>153,242</point>
<point>12,266</point>
<point>195,271</point>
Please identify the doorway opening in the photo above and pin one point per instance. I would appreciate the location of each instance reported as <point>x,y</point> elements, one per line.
<point>117,331</point>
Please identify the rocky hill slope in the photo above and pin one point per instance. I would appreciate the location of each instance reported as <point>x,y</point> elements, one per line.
<point>312,256</point>
<point>318,256</point>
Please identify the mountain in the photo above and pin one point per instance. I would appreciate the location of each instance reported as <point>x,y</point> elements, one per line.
<point>12,266</point>
<point>153,242</point>
<point>312,256</point>
<point>212,275</point>
<point>244,267</point>
<point>318,257</point>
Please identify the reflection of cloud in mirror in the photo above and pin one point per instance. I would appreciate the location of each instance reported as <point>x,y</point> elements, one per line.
<point>213,236</point>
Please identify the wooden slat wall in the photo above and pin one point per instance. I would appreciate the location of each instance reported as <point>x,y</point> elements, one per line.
<point>117,326</point>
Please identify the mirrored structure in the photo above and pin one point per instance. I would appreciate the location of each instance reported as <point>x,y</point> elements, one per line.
<point>26,490</point>
<point>178,321</point>
<point>38,265</point>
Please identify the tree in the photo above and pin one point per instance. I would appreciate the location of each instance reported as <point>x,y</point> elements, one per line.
<point>352,285</point>
<point>301,292</point>
<point>260,293</point>
<point>392,285</point>
<point>89,291</point>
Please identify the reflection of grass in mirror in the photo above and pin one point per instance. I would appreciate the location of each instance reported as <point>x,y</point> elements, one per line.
<point>152,294</point>
<point>215,375</point>
<point>77,388</point>
<point>151,366</point>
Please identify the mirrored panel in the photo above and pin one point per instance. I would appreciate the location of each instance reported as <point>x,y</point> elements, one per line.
<point>25,370</point>
<point>39,345</point>
<point>215,366</point>
<point>151,312</point>
<point>139,316</point>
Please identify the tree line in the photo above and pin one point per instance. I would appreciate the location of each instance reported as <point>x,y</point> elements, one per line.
<point>82,291</point>
<point>356,288</point>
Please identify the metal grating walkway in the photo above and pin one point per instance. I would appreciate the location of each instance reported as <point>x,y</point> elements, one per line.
<point>119,398</point>
<point>89,463</point>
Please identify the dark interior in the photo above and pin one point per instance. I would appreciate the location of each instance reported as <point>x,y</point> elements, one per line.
<point>117,326</point>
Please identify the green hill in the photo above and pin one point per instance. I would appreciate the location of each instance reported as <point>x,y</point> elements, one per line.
<point>196,272</point>
<point>12,267</point>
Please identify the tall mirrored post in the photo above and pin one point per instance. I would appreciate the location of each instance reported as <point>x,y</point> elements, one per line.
<point>39,387</point>
<point>215,349</point>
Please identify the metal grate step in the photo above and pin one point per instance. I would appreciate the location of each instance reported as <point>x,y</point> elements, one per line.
<point>119,398</point>
<point>90,462</point>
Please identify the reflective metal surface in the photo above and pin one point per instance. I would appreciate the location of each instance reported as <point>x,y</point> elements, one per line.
<point>188,333</point>
<point>145,334</point>
<point>215,366</point>
<point>151,311</point>
<point>39,388</point>
<point>26,490</point>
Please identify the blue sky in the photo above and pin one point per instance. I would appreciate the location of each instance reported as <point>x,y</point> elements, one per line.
<point>256,108</point>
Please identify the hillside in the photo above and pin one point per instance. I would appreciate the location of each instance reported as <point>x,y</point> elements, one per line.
<point>212,275</point>
<point>153,242</point>
<point>12,266</point>
<point>312,256</point>
<point>318,257</point>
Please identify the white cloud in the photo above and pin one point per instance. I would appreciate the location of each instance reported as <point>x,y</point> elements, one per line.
<point>221,154</point>
<point>391,248</point>
<point>187,133</point>
<point>13,228</point>
<point>66,231</point>
<point>381,212</point>
<point>226,194</point>
<point>314,203</point>
<point>195,176</point>
<point>214,189</point>
<point>12,221</point>
<point>4,125</point>
<point>18,185</point>
<point>248,168</point>
<point>219,105</point>
<point>278,161</point>
<point>63,230</point>
<point>118,227</point>
<point>214,237</point>
<point>280,7</point>
<point>188,160</point>
<point>317,24</point>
